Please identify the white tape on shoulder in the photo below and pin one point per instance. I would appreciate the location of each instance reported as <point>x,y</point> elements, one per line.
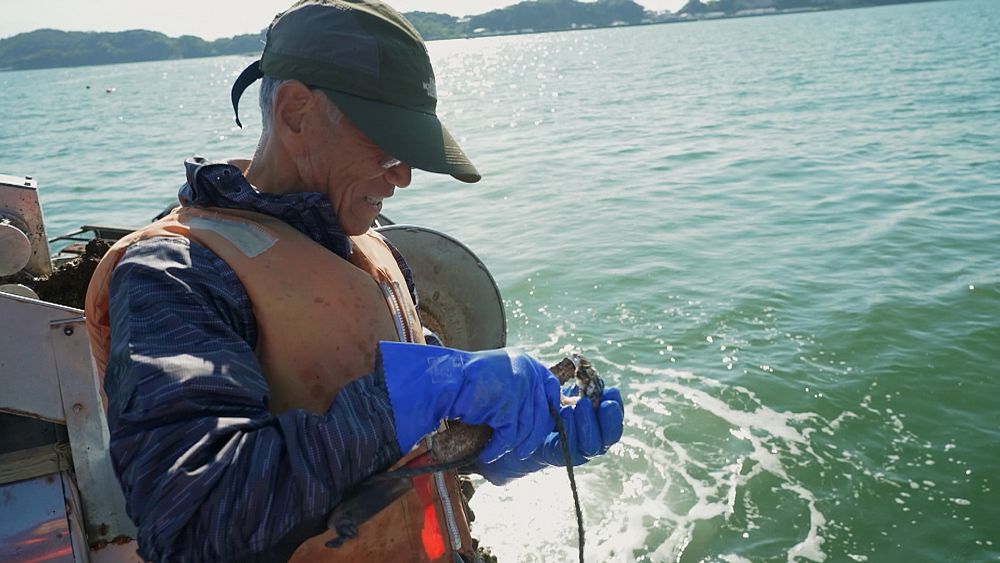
<point>252,240</point>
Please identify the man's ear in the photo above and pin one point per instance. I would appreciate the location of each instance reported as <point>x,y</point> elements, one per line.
<point>293,103</point>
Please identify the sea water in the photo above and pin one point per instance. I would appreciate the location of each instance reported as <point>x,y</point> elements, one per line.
<point>779,236</point>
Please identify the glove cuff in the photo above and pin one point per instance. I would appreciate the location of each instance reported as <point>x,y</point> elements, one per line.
<point>421,382</point>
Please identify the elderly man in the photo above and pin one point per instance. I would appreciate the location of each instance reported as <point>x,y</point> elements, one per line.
<point>260,347</point>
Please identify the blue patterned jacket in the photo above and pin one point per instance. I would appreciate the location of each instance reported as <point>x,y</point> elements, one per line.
<point>209,474</point>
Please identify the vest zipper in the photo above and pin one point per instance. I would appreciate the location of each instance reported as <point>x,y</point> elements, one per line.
<point>449,512</point>
<point>394,301</point>
<point>391,299</point>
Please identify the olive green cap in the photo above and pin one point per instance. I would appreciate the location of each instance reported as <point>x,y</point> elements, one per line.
<point>373,64</point>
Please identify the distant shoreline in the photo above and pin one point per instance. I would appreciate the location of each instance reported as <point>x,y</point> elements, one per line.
<point>670,19</point>
<point>28,50</point>
<point>667,21</point>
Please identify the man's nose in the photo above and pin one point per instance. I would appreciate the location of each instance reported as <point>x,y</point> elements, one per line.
<point>399,175</point>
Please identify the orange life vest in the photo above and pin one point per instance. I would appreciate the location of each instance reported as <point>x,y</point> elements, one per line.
<point>319,320</point>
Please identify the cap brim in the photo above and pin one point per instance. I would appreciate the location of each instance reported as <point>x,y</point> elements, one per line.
<point>417,138</point>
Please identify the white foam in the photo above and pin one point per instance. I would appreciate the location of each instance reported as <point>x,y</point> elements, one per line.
<point>674,489</point>
<point>810,547</point>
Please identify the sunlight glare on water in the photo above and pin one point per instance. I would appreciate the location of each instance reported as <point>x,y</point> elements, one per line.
<point>778,236</point>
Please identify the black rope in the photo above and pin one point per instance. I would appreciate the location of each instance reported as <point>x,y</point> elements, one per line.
<point>572,478</point>
<point>347,527</point>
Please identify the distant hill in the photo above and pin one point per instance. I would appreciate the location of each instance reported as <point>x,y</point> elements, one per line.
<point>753,7</point>
<point>553,15</point>
<point>49,48</point>
<point>530,16</point>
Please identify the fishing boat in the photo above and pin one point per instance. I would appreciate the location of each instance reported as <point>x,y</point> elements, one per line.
<point>59,497</point>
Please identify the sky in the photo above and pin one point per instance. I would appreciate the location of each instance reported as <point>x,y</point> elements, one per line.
<point>208,19</point>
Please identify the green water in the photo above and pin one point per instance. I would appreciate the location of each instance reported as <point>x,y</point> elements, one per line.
<point>779,236</point>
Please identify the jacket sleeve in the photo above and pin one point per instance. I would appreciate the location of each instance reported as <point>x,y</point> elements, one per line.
<point>208,473</point>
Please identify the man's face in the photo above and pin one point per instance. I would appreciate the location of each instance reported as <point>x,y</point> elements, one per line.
<point>354,173</point>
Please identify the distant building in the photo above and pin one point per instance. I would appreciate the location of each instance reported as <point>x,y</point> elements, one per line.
<point>757,12</point>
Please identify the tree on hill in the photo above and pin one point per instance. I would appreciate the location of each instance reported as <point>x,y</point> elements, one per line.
<point>726,6</point>
<point>694,7</point>
<point>730,7</point>
<point>546,15</point>
<point>433,25</point>
<point>49,48</point>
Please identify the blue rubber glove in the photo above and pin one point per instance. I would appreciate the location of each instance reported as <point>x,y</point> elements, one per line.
<point>589,432</point>
<point>504,389</point>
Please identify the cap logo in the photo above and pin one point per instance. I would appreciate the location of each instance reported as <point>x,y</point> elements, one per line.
<point>431,88</point>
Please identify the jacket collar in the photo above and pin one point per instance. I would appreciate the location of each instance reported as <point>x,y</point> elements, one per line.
<point>222,184</point>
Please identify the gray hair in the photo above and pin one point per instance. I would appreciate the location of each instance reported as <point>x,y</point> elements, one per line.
<point>268,90</point>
